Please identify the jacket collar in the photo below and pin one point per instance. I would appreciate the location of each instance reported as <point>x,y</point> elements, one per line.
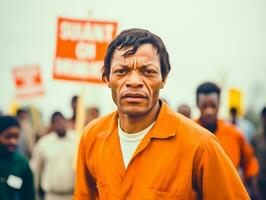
<point>164,127</point>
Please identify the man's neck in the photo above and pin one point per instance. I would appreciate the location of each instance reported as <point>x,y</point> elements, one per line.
<point>234,121</point>
<point>4,153</point>
<point>211,127</point>
<point>61,134</point>
<point>134,124</point>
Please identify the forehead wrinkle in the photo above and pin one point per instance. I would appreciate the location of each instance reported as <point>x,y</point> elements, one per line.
<point>138,62</point>
<point>211,98</point>
<point>132,61</point>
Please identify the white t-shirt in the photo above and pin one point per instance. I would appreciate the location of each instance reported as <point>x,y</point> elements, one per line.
<point>52,162</point>
<point>130,142</point>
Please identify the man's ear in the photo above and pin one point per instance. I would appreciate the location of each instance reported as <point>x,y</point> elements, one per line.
<point>163,82</point>
<point>105,79</point>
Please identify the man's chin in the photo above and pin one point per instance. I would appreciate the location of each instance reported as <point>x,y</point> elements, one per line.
<point>134,112</point>
<point>11,149</point>
<point>208,121</point>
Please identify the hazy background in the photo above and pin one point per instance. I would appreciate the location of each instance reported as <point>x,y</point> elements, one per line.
<point>222,41</point>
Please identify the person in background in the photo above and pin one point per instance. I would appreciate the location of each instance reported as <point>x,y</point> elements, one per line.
<point>71,122</point>
<point>259,144</point>
<point>144,150</point>
<point>16,178</point>
<point>231,139</point>
<point>92,113</point>
<point>243,124</point>
<point>53,161</point>
<point>184,110</point>
<point>27,137</point>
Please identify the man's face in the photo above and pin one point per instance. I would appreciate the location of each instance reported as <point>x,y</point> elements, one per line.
<point>59,125</point>
<point>184,110</point>
<point>23,116</point>
<point>208,105</point>
<point>9,138</point>
<point>135,80</point>
<point>92,113</point>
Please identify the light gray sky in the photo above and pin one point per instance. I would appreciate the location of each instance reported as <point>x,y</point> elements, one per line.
<point>222,41</point>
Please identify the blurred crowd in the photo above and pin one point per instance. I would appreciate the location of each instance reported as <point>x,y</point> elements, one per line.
<point>39,162</point>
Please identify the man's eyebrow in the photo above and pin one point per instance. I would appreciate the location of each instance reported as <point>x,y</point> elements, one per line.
<point>121,65</point>
<point>127,66</point>
<point>147,65</point>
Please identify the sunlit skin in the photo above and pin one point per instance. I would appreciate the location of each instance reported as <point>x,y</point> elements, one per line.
<point>208,105</point>
<point>135,82</point>
<point>9,138</point>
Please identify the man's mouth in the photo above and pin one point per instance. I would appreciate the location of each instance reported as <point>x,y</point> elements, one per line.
<point>11,148</point>
<point>134,96</point>
<point>209,119</point>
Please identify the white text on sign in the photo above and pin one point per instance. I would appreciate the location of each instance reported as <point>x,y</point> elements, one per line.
<point>89,32</point>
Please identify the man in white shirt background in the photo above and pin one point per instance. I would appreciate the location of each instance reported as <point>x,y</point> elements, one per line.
<point>52,161</point>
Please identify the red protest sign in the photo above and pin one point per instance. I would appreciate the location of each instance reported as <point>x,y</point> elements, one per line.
<point>80,49</point>
<point>28,81</point>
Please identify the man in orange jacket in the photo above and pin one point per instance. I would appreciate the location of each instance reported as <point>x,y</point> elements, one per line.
<point>144,150</point>
<point>231,139</point>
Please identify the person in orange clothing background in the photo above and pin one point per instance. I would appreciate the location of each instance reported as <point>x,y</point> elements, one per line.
<point>231,139</point>
<point>144,150</point>
<point>185,110</point>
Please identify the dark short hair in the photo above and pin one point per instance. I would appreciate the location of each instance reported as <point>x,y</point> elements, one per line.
<point>21,111</point>
<point>93,108</point>
<point>263,112</point>
<point>7,121</point>
<point>207,88</point>
<point>56,114</point>
<point>233,110</point>
<point>135,38</point>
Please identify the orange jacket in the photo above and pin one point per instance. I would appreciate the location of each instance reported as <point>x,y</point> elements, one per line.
<point>237,148</point>
<point>177,159</point>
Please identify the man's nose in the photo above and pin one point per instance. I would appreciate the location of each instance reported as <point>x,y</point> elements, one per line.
<point>209,111</point>
<point>134,79</point>
<point>13,141</point>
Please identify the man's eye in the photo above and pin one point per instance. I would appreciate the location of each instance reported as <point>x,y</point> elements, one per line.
<point>148,71</point>
<point>120,71</point>
<point>8,137</point>
<point>213,106</point>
